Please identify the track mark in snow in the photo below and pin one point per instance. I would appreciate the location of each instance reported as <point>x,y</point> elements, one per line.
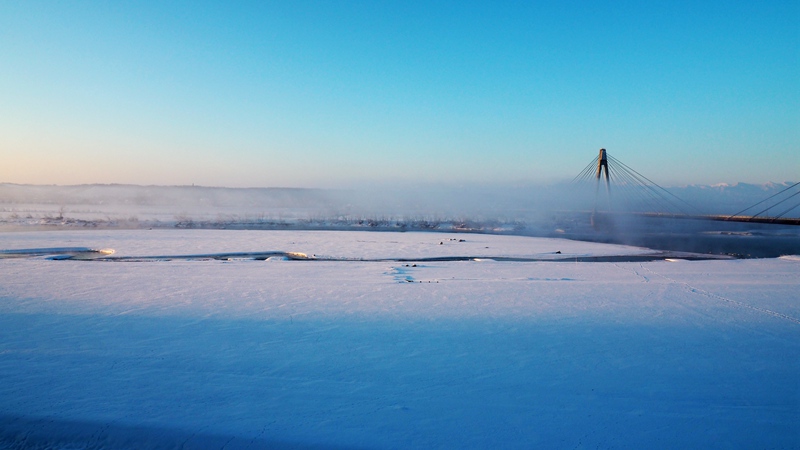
<point>183,445</point>
<point>705,293</point>
<point>636,272</point>
<point>401,274</point>
<point>255,438</point>
<point>548,279</point>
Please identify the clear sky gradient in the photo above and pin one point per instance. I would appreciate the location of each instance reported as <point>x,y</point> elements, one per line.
<point>340,93</point>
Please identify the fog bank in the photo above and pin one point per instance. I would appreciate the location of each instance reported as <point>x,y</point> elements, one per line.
<point>572,210</point>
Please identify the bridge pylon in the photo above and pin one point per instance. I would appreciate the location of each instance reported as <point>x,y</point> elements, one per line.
<point>602,169</point>
<point>602,164</point>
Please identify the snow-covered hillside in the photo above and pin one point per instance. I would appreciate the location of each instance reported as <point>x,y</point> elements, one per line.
<point>346,353</point>
<point>724,198</point>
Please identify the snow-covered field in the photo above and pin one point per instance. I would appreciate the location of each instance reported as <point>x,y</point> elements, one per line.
<point>361,346</point>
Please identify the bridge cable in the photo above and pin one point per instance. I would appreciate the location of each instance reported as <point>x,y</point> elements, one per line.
<point>776,204</point>
<point>616,161</point>
<point>585,173</point>
<point>762,201</point>
<point>784,213</point>
<point>650,188</point>
<point>630,187</point>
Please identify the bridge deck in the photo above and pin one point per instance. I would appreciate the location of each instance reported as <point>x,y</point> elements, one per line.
<point>750,219</point>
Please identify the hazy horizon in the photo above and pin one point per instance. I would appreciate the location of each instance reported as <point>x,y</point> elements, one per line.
<point>399,185</point>
<point>485,202</point>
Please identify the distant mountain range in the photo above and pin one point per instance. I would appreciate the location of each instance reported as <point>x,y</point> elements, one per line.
<point>136,195</point>
<point>726,198</point>
<point>486,201</point>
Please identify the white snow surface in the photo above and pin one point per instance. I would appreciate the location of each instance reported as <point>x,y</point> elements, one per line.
<point>350,244</point>
<point>238,354</point>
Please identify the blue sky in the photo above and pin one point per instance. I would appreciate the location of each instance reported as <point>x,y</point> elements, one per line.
<point>333,94</point>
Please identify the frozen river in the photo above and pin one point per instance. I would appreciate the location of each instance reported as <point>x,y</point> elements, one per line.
<point>368,341</point>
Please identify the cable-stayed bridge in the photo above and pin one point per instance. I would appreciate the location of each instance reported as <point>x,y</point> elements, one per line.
<point>620,189</point>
